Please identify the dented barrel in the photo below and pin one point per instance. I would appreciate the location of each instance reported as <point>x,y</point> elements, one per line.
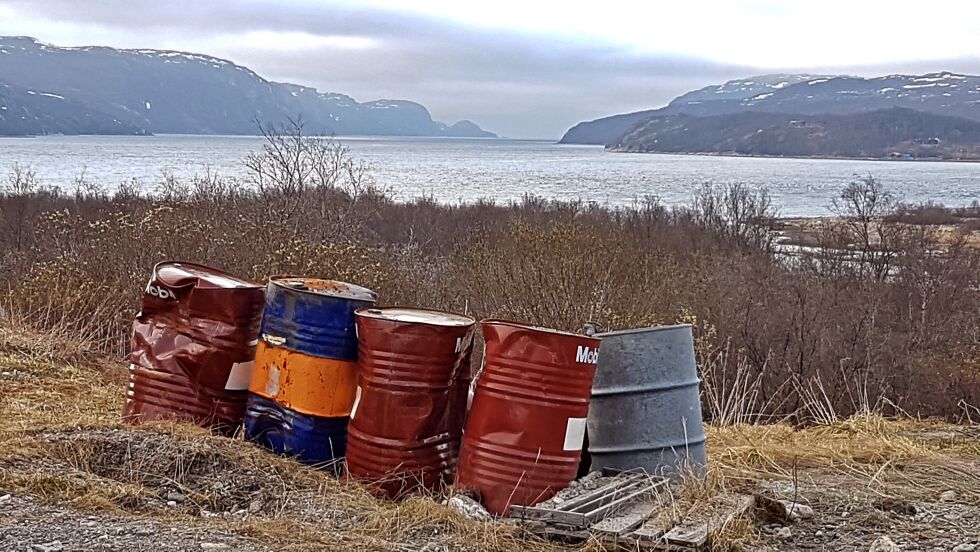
<point>524,433</point>
<point>413,367</point>
<point>646,406</point>
<point>305,377</point>
<point>192,346</point>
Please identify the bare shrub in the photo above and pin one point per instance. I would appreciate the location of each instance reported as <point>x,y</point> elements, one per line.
<point>744,215</point>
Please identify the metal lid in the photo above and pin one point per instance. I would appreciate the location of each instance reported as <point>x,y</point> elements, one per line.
<point>532,327</point>
<point>333,288</point>
<point>174,273</point>
<point>644,330</point>
<point>417,316</point>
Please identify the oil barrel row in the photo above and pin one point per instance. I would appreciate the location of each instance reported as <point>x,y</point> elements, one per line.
<point>314,370</point>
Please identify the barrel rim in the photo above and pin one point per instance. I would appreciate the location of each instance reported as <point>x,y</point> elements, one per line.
<point>448,319</point>
<point>246,284</point>
<point>650,329</point>
<point>528,326</point>
<point>350,291</point>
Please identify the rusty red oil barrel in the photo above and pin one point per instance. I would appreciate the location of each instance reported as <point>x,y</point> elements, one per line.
<point>413,364</point>
<point>193,346</point>
<point>524,433</point>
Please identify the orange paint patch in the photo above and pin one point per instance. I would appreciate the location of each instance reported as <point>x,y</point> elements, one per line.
<point>304,383</point>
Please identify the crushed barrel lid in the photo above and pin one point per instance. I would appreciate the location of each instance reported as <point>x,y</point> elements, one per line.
<point>417,316</point>
<point>178,273</point>
<point>318,286</point>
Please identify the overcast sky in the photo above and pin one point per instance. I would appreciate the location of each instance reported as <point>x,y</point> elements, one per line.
<point>525,68</point>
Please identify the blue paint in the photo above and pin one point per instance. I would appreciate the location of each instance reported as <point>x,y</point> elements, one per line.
<point>315,323</point>
<point>310,439</point>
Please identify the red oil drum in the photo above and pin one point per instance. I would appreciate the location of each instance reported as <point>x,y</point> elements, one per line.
<point>524,433</point>
<point>192,346</point>
<point>413,368</point>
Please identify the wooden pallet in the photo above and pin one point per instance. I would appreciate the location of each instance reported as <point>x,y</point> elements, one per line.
<point>623,514</point>
<point>593,506</point>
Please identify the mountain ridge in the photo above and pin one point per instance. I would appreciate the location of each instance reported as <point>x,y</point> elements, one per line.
<point>896,132</point>
<point>108,90</point>
<point>941,93</point>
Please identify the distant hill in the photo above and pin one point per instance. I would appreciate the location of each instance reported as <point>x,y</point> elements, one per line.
<point>946,93</point>
<point>46,89</point>
<point>895,132</point>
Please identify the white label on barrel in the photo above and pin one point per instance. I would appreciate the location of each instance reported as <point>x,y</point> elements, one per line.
<point>274,340</point>
<point>240,376</point>
<point>357,401</point>
<point>574,433</point>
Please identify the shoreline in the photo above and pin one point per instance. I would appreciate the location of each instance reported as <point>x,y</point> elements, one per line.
<point>800,157</point>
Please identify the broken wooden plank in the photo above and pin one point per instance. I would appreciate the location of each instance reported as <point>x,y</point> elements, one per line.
<point>693,535</point>
<point>593,505</point>
<point>625,522</point>
<point>693,532</point>
<point>637,494</point>
<point>546,512</point>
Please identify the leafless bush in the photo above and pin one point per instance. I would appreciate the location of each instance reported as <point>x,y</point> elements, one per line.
<point>864,207</point>
<point>745,215</point>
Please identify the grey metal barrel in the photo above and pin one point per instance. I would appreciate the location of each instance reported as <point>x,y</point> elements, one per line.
<point>646,405</point>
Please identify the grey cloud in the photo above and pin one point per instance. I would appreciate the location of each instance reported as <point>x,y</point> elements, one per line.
<point>516,84</point>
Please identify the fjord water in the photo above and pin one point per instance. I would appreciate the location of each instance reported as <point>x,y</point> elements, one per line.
<point>453,170</point>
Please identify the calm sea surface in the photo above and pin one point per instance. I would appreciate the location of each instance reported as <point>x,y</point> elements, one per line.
<point>454,170</point>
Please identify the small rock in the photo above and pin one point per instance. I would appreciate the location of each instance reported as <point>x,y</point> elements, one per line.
<point>213,546</point>
<point>948,496</point>
<point>896,505</point>
<point>171,503</point>
<point>53,546</point>
<point>4,498</point>
<point>965,547</point>
<point>468,507</point>
<point>769,509</point>
<point>796,511</point>
<point>255,507</point>
<point>784,533</point>
<point>174,496</point>
<point>884,544</point>
<point>819,533</point>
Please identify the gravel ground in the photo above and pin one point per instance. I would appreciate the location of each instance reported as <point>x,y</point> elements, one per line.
<point>27,525</point>
<point>851,515</point>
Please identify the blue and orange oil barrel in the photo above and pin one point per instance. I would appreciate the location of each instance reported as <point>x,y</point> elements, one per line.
<point>525,430</point>
<point>192,347</point>
<point>414,369</point>
<point>305,378</point>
